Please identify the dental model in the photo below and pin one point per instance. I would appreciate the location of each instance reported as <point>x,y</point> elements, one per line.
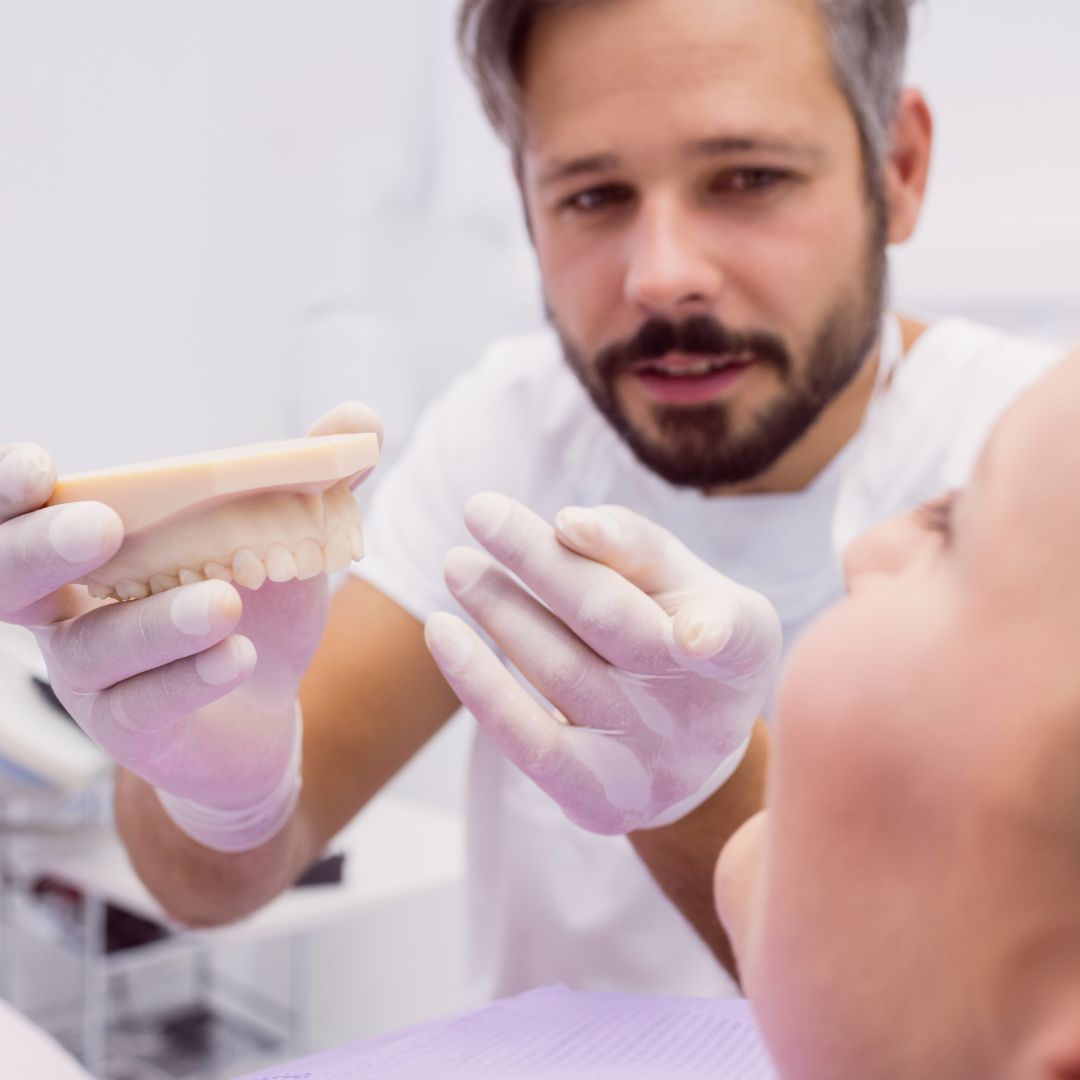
<point>270,512</point>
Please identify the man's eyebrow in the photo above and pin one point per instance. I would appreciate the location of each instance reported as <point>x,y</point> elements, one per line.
<point>574,167</point>
<point>742,144</point>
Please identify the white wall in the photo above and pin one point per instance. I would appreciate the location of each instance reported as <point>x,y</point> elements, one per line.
<point>218,218</point>
<point>1001,232</point>
<point>412,252</point>
<point>145,207</point>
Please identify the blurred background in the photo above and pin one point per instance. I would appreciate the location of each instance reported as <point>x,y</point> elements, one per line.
<point>217,219</point>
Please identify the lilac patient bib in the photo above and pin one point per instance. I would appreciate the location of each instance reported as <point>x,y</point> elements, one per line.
<point>559,1034</point>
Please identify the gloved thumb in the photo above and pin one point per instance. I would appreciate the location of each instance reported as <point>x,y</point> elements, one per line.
<point>730,622</point>
<point>350,418</point>
<point>704,625</point>
<point>27,479</point>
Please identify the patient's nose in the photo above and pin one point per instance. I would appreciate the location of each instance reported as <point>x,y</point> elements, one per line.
<point>881,551</point>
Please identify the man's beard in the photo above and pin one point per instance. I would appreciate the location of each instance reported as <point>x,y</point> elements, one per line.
<point>697,446</point>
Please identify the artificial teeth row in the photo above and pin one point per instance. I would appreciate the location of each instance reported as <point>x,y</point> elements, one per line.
<point>247,570</point>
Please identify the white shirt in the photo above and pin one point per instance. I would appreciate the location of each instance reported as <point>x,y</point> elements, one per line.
<point>549,902</point>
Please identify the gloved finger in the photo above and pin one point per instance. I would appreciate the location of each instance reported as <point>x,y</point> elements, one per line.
<point>43,550</point>
<point>119,641</point>
<point>27,479</point>
<point>552,659</point>
<point>635,547</point>
<point>527,734</point>
<point>611,615</point>
<point>133,721</point>
<point>713,615</point>
<point>599,782</point>
<point>350,418</point>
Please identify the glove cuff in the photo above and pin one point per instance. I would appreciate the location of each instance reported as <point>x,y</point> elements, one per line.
<point>236,830</point>
<point>724,772</point>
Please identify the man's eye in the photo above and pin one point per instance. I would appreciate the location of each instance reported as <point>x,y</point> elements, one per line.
<point>749,181</point>
<point>594,199</point>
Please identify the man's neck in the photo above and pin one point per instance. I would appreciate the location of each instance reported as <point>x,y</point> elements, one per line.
<point>838,424</point>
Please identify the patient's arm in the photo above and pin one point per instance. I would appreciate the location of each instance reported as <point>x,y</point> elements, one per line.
<point>371,698</point>
<point>682,857</point>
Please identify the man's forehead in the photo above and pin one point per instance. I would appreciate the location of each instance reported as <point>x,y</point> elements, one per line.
<point>592,32</point>
<point>696,69</point>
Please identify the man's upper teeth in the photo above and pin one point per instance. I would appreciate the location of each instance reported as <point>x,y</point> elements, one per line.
<point>703,367</point>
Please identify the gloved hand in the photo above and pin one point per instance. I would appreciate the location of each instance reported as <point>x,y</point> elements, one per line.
<point>657,664</point>
<point>194,690</point>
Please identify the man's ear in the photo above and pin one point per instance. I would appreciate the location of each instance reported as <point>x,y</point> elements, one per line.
<point>907,167</point>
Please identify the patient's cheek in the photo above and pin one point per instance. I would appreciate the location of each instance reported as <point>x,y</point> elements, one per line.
<point>812,702</point>
<point>837,677</point>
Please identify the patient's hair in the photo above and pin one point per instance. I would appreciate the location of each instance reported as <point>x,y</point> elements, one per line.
<point>867,41</point>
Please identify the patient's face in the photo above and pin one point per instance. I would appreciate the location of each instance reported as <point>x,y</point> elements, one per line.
<point>912,890</point>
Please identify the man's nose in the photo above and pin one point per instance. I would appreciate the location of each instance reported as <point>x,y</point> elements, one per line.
<point>669,271</point>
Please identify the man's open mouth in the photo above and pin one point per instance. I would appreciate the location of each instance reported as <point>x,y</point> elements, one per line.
<point>687,379</point>
<point>693,367</point>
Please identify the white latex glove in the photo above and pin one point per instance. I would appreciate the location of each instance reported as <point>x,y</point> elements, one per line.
<point>194,689</point>
<point>658,665</point>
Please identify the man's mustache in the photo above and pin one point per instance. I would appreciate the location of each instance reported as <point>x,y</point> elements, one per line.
<point>699,335</point>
